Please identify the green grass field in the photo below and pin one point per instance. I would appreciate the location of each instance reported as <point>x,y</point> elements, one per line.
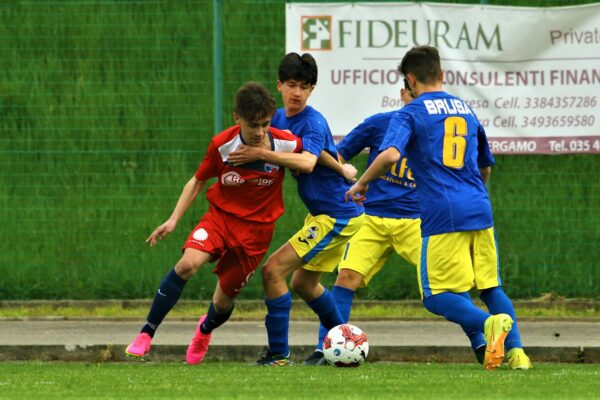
<point>237,381</point>
<point>106,108</point>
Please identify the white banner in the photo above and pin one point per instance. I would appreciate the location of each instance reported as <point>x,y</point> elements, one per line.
<point>532,75</point>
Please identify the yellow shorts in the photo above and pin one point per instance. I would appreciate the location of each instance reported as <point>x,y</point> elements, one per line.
<point>322,240</point>
<point>369,249</point>
<point>457,261</point>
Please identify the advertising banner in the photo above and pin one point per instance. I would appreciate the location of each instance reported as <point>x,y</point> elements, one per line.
<point>531,75</point>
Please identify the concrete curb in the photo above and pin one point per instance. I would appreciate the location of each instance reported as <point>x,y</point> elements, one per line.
<point>100,340</point>
<point>249,353</point>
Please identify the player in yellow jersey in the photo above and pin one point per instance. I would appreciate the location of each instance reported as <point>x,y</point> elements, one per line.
<point>446,145</point>
<point>391,224</point>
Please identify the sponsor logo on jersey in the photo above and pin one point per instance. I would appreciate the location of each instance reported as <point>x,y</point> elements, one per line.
<point>263,181</point>
<point>231,178</point>
<point>271,168</point>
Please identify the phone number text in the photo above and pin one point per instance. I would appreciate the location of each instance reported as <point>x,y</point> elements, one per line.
<point>557,121</point>
<point>560,102</point>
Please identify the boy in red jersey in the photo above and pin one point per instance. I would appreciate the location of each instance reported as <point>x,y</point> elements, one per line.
<point>238,227</point>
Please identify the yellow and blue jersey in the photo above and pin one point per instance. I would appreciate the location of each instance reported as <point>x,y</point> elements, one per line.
<point>392,195</point>
<point>446,145</point>
<point>323,190</point>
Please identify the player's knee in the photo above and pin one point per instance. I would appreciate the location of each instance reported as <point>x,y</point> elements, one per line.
<point>270,272</point>
<point>300,286</point>
<point>349,279</point>
<point>221,304</point>
<point>186,268</point>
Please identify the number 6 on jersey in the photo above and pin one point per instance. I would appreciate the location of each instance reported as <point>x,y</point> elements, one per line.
<point>455,130</point>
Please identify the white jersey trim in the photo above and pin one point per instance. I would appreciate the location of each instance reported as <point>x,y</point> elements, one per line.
<point>229,147</point>
<point>287,146</point>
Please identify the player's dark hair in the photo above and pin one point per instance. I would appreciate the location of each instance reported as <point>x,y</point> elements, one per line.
<point>423,62</point>
<point>253,102</point>
<point>302,68</point>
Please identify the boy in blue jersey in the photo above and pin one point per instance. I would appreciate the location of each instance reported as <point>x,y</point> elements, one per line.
<point>391,224</point>
<point>442,137</point>
<point>319,244</point>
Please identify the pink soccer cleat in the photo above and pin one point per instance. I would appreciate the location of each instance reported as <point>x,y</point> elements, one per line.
<point>197,349</point>
<point>140,346</point>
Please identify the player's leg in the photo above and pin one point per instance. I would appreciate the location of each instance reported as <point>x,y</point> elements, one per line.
<point>487,280</point>
<point>321,241</point>
<point>218,313</point>
<point>476,338</point>
<point>278,300</point>
<point>166,297</point>
<point>245,246</point>
<point>330,245</point>
<point>203,244</point>
<point>364,255</point>
<point>307,284</point>
<point>458,309</point>
<point>498,302</point>
<point>406,241</point>
<point>347,282</point>
<point>445,274</point>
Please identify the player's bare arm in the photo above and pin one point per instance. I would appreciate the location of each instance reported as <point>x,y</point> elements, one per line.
<point>380,165</point>
<point>302,162</point>
<point>485,173</point>
<point>348,171</point>
<point>190,191</point>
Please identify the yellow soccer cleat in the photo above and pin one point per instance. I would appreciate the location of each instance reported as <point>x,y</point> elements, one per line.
<point>496,329</point>
<point>517,359</point>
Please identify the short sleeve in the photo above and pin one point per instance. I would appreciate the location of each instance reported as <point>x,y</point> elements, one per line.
<point>355,141</point>
<point>399,132</point>
<point>313,138</point>
<point>484,155</point>
<point>211,165</point>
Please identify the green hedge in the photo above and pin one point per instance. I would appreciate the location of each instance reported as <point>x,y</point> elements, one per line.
<point>106,108</point>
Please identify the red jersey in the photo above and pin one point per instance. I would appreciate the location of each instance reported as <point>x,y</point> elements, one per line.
<point>251,191</point>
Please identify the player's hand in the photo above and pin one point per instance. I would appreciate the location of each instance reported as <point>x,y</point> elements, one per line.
<point>244,154</point>
<point>406,96</point>
<point>161,232</point>
<point>357,193</point>
<point>350,172</point>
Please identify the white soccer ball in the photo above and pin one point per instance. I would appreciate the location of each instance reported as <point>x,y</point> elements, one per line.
<point>345,346</point>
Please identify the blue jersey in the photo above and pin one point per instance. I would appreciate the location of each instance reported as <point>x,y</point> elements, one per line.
<point>392,195</point>
<point>323,190</point>
<point>446,146</point>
